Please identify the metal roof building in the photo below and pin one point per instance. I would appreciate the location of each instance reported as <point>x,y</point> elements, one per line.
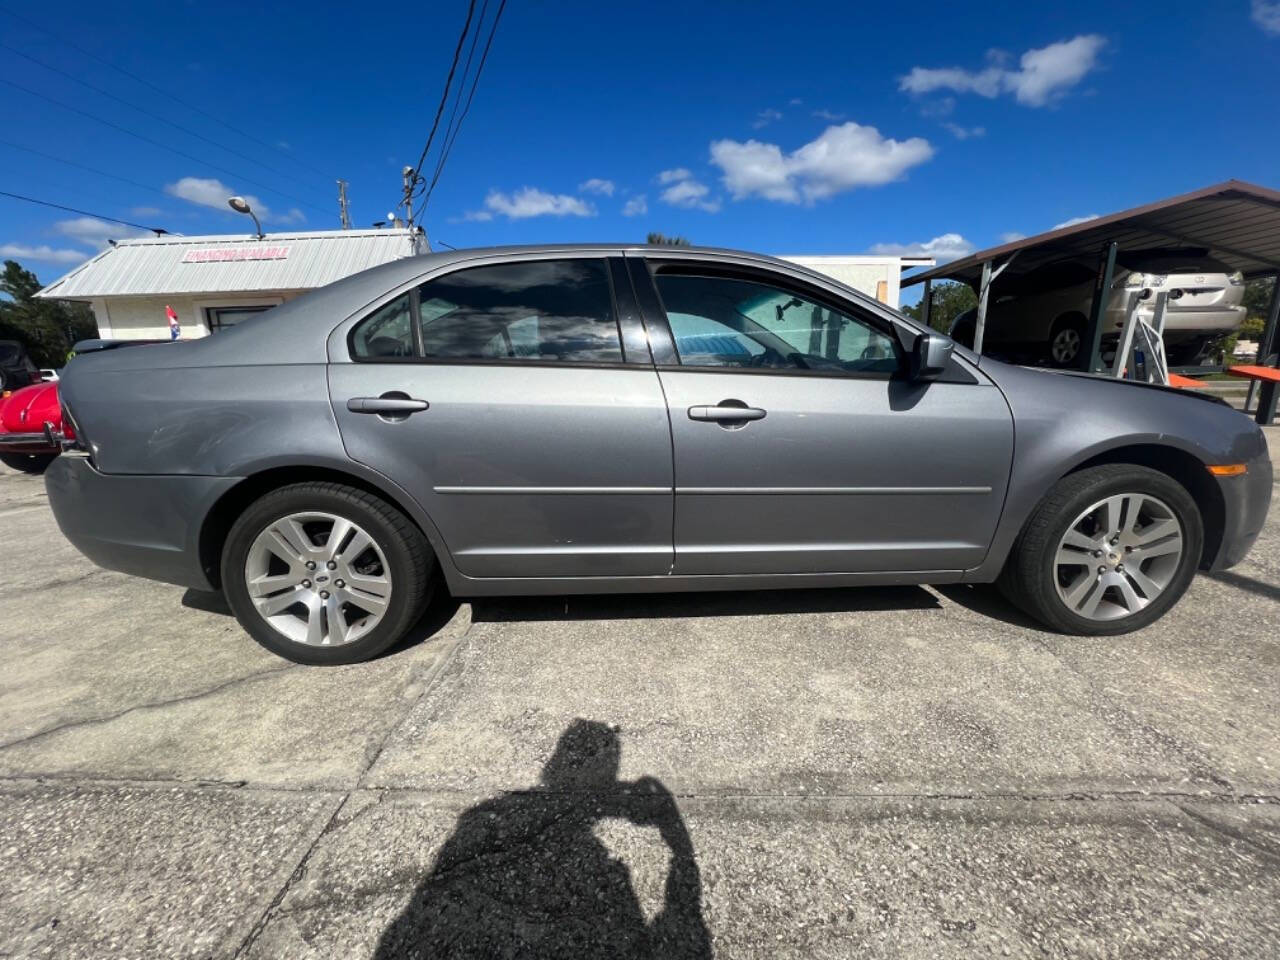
<point>214,281</point>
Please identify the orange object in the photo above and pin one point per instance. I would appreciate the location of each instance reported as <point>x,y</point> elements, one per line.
<point>1256,373</point>
<point>1178,380</point>
<point>1228,469</point>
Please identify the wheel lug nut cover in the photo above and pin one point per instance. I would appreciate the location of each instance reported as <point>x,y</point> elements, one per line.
<point>324,594</point>
<point>331,565</point>
<point>306,583</point>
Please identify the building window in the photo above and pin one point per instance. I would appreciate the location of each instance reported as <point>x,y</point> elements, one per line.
<point>220,318</point>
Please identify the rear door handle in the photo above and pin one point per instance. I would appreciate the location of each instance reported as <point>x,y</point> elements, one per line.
<point>385,405</point>
<point>726,412</point>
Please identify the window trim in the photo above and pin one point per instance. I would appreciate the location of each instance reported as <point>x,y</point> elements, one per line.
<point>701,268</point>
<point>420,357</point>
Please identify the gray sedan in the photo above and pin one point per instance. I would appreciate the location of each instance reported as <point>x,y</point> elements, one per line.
<point>589,419</point>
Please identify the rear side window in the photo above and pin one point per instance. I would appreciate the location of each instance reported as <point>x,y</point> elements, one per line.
<point>548,310</point>
<point>386,333</point>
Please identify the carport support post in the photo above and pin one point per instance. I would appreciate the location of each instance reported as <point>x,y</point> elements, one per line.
<point>980,327</point>
<point>1090,359</point>
<point>1266,347</point>
<point>926,305</point>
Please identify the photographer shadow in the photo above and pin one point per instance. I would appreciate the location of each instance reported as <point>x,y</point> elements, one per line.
<point>524,874</point>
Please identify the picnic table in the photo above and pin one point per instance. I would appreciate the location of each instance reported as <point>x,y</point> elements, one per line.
<point>1268,377</point>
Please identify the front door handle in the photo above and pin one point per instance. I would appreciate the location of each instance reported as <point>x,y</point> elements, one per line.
<point>727,411</point>
<point>386,404</point>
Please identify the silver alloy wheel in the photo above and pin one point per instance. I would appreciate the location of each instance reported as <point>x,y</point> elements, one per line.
<point>318,579</point>
<point>1066,345</point>
<point>1118,556</point>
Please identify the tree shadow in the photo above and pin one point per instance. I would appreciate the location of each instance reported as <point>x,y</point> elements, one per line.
<point>524,874</point>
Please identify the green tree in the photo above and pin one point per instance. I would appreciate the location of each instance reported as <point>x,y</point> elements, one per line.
<point>949,300</point>
<point>661,239</point>
<point>47,328</point>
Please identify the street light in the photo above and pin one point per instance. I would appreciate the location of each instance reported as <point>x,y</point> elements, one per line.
<point>241,205</point>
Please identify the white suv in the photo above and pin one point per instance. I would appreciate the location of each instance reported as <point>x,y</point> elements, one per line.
<point>1042,314</point>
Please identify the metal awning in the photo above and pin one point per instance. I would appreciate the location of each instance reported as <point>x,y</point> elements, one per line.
<point>155,266</point>
<point>1238,222</point>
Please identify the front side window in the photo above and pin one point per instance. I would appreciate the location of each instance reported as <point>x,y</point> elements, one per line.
<point>728,322</point>
<point>557,310</point>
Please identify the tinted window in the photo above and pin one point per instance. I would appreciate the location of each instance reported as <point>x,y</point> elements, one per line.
<point>537,310</point>
<point>723,322</point>
<point>387,332</point>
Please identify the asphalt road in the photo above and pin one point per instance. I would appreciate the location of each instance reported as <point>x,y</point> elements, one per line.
<point>898,772</point>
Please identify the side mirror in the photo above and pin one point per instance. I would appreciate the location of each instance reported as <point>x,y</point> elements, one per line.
<point>930,355</point>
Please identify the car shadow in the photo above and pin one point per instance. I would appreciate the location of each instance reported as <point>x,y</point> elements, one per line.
<point>987,600</point>
<point>1251,584</point>
<point>527,874</point>
<point>736,603</point>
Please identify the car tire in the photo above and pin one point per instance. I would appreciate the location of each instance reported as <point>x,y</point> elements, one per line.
<point>397,562</point>
<point>1056,581</point>
<point>27,462</point>
<point>1066,340</point>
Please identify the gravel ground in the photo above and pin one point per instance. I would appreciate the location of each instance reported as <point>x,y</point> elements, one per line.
<point>898,772</point>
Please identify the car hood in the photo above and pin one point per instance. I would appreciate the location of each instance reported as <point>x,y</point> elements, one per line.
<point>26,410</point>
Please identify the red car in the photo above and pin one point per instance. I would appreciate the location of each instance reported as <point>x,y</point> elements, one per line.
<point>23,414</point>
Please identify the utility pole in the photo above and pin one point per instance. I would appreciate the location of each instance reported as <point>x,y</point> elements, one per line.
<point>410,181</point>
<point>342,205</point>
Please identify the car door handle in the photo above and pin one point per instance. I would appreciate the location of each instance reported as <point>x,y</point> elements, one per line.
<point>726,412</point>
<point>385,405</point>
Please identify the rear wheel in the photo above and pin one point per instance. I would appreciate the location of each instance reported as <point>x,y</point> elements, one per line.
<point>27,462</point>
<point>1066,340</point>
<point>1109,550</point>
<point>323,573</point>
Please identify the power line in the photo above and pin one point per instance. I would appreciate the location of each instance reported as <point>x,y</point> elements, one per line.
<point>81,166</point>
<point>84,213</point>
<point>147,83</point>
<point>444,94</point>
<point>448,147</point>
<point>143,110</point>
<point>457,100</point>
<point>157,143</point>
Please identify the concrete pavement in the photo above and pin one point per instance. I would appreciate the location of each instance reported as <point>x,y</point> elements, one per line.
<point>901,772</point>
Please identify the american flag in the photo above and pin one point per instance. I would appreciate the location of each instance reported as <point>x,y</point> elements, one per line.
<point>175,331</point>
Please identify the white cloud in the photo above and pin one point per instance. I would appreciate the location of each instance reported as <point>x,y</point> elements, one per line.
<point>637,206</point>
<point>145,211</point>
<point>1074,220</point>
<point>212,193</point>
<point>841,158</point>
<point>1266,14</point>
<point>1012,235</point>
<point>95,232</point>
<point>692,194</point>
<point>531,202</point>
<point>20,251</point>
<point>828,115</point>
<point>795,102</point>
<point>766,117</point>
<point>949,246</point>
<point>292,215</point>
<point>671,176</point>
<point>1041,76</point>
<point>595,185</point>
<point>964,133</point>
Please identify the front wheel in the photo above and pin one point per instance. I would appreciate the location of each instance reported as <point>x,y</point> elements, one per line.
<point>1066,340</point>
<point>1109,550</point>
<point>323,573</point>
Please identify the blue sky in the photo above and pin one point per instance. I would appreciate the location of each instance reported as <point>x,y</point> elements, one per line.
<point>784,128</point>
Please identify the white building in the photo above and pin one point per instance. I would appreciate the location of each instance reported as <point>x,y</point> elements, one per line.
<point>215,281</point>
<point>876,276</point>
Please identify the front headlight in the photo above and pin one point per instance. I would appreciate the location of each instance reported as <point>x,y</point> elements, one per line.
<point>1135,280</point>
<point>1235,279</point>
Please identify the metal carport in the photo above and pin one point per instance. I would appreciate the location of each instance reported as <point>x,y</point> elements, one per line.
<point>1238,222</point>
